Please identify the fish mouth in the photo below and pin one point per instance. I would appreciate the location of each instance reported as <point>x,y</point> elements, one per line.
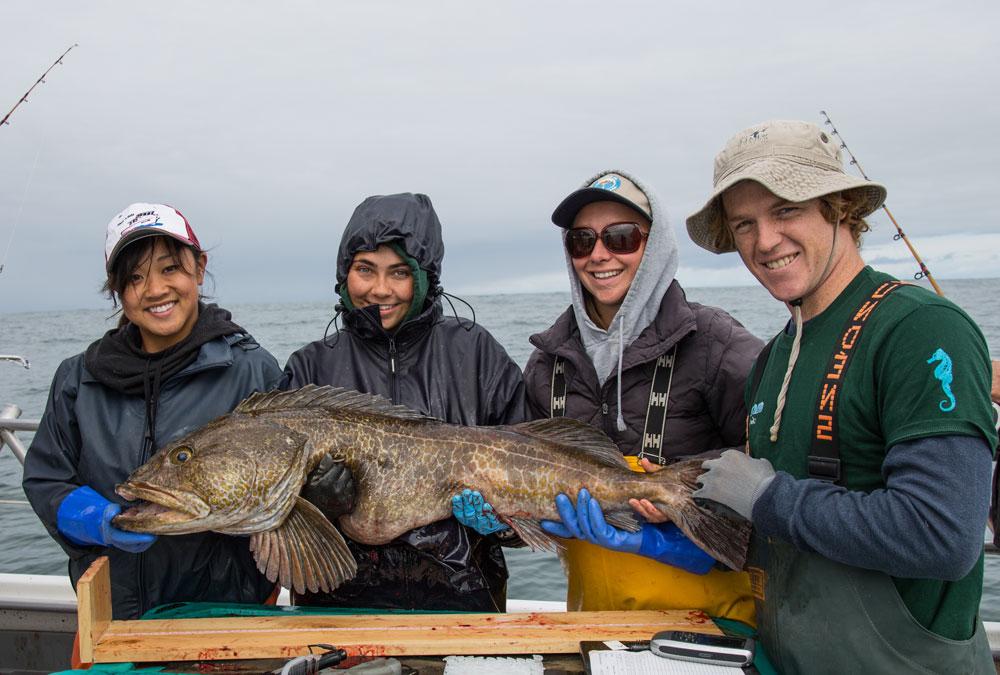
<point>162,508</point>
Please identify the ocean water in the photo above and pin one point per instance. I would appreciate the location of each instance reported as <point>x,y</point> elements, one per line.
<point>45,338</point>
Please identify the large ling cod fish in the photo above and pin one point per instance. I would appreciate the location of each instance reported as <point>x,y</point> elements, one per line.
<point>241,474</point>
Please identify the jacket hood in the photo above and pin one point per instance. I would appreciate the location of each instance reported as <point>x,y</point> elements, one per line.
<point>407,219</point>
<point>642,301</point>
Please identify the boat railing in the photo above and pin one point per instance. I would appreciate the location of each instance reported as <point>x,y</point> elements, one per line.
<point>10,424</point>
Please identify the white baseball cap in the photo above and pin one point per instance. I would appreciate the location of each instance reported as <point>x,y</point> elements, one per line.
<point>145,220</point>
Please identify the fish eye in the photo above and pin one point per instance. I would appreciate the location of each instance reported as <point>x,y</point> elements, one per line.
<point>181,454</point>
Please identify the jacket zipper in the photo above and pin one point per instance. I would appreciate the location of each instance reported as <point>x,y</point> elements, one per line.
<point>392,370</point>
<point>141,556</point>
<point>142,586</point>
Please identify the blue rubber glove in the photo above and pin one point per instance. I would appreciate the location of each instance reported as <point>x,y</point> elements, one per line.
<point>586,521</point>
<point>84,517</point>
<point>664,543</point>
<point>470,510</point>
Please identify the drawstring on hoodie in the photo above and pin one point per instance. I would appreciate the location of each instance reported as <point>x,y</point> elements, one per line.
<point>448,297</point>
<point>620,422</point>
<point>151,396</point>
<point>338,310</point>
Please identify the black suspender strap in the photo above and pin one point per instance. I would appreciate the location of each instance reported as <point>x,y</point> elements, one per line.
<point>656,410</point>
<point>824,456</point>
<point>557,404</point>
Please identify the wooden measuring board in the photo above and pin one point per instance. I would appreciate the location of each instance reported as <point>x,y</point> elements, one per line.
<point>103,640</point>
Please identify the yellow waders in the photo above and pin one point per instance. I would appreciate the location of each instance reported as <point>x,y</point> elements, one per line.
<point>600,579</point>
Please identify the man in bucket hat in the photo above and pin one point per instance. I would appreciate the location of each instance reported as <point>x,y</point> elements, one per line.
<point>870,433</point>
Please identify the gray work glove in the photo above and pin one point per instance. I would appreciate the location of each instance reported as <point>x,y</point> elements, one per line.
<point>330,488</point>
<point>735,480</point>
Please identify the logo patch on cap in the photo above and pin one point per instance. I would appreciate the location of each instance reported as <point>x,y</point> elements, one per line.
<point>610,182</point>
<point>142,221</point>
<point>754,136</point>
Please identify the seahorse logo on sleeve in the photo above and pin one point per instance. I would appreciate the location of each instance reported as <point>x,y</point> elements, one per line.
<point>942,371</point>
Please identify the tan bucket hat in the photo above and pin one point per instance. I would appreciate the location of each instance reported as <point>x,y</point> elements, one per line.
<point>796,161</point>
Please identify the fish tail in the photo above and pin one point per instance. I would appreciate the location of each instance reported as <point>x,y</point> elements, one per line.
<point>687,471</point>
<point>722,537</point>
<point>726,539</point>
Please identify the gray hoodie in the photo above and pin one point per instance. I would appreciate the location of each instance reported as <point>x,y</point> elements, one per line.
<point>642,301</point>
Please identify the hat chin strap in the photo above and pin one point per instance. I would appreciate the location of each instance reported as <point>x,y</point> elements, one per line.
<point>793,356</point>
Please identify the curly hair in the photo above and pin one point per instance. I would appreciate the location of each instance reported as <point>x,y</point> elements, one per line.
<point>836,207</point>
<point>846,207</point>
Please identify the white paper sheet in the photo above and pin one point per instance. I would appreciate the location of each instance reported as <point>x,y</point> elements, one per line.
<point>648,663</point>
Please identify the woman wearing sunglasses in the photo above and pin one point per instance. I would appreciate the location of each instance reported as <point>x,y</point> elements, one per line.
<point>663,377</point>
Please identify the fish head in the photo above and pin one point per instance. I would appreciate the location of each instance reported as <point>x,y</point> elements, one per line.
<point>236,474</point>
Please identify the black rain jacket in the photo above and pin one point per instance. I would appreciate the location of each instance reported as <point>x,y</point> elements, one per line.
<point>92,435</point>
<point>441,366</point>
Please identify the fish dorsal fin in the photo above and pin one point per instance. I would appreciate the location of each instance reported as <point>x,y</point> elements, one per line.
<point>577,435</point>
<point>305,553</point>
<point>312,396</point>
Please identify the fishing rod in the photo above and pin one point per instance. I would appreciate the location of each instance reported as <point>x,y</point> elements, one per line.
<point>5,120</point>
<point>39,81</point>
<point>924,271</point>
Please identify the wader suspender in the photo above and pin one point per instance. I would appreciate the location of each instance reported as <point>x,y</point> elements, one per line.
<point>824,460</point>
<point>824,456</point>
<point>557,406</point>
<point>656,411</point>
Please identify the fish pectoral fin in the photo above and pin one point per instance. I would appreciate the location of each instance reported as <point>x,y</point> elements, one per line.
<point>305,553</point>
<point>533,535</point>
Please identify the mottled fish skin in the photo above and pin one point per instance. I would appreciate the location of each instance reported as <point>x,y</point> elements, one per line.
<point>241,474</point>
<point>410,470</point>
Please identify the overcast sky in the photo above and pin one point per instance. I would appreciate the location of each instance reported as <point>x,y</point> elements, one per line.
<point>267,123</point>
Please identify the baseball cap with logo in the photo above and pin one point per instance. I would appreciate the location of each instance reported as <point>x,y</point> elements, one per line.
<point>609,186</point>
<point>797,161</point>
<point>142,220</point>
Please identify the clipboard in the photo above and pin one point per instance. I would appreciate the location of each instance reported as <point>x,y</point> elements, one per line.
<point>647,662</point>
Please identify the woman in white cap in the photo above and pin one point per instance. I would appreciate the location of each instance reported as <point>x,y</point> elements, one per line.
<point>867,468</point>
<point>171,365</point>
<point>660,375</point>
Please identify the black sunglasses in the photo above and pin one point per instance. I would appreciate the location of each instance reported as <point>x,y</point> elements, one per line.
<point>617,238</point>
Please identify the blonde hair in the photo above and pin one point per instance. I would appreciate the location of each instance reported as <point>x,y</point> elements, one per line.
<point>836,207</point>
